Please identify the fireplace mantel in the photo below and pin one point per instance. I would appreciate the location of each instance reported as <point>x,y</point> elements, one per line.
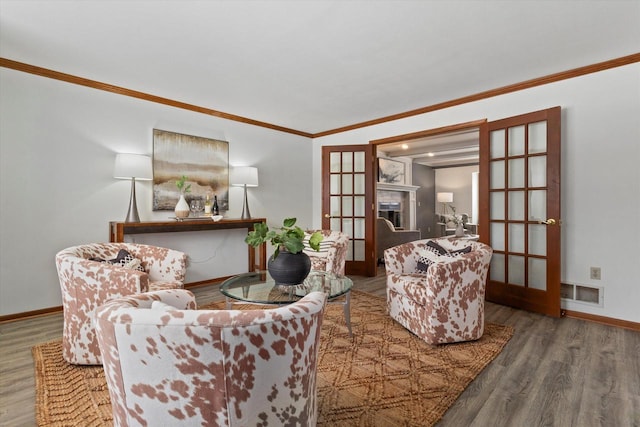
<point>397,187</point>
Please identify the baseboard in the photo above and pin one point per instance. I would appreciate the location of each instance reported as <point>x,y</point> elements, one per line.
<point>634,326</point>
<point>29,314</point>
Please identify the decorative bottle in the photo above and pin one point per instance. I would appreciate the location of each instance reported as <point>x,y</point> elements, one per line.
<point>215,210</point>
<point>207,205</point>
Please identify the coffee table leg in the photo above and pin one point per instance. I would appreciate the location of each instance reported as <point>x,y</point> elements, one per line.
<point>228,304</point>
<point>347,312</point>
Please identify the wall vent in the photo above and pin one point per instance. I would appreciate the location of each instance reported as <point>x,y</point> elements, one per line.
<point>592,295</point>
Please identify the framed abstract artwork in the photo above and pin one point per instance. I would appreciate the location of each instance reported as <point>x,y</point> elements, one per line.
<point>204,161</point>
<point>390,171</point>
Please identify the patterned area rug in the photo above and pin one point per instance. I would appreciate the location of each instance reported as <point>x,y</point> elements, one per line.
<point>383,376</point>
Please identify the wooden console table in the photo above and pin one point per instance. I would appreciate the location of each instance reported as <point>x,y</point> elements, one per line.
<point>117,231</point>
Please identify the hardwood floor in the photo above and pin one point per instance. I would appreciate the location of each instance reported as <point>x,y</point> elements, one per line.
<point>553,372</point>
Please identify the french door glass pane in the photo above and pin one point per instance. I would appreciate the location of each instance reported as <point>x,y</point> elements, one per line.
<point>334,162</point>
<point>497,144</point>
<point>516,205</point>
<point>537,273</point>
<point>358,183</point>
<point>347,185</point>
<point>497,268</point>
<point>497,175</point>
<point>334,180</point>
<point>516,173</point>
<point>537,137</point>
<point>538,239</point>
<point>335,223</point>
<point>358,228</point>
<point>537,205</point>
<point>358,207</point>
<point>358,161</point>
<point>347,206</point>
<point>335,207</point>
<point>516,141</point>
<point>516,238</point>
<point>347,226</point>
<point>497,236</point>
<point>347,162</point>
<point>538,171</point>
<point>516,270</point>
<point>497,205</point>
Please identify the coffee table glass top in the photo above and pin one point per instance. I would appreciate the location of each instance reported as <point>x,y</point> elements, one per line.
<point>259,287</point>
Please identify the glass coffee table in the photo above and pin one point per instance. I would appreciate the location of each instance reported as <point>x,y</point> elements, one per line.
<point>259,288</point>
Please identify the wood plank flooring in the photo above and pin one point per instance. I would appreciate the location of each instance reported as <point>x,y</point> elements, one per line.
<point>553,372</point>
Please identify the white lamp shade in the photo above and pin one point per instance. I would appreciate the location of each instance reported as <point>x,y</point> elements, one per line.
<point>136,166</point>
<point>244,175</point>
<point>445,197</point>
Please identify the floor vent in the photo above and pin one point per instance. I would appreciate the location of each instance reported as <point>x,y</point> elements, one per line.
<point>592,295</point>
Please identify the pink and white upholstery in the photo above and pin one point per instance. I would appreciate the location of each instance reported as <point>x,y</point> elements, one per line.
<point>444,303</point>
<point>86,284</point>
<point>332,254</point>
<point>169,366</point>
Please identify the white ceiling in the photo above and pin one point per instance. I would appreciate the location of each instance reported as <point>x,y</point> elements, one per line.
<point>315,66</point>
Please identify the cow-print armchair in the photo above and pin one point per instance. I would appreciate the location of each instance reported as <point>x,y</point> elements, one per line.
<point>91,274</point>
<point>167,363</point>
<point>436,287</point>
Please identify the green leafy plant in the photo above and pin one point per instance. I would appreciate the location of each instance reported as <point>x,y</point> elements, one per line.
<point>181,184</point>
<point>289,237</point>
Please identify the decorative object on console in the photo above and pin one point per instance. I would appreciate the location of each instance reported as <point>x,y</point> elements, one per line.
<point>244,176</point>
<point>292,268</point>
<point>182,207</point>
<point>205,161</point>
<point>132,166</point>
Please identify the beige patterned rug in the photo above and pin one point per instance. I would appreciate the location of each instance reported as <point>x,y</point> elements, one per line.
<point>383,376</point>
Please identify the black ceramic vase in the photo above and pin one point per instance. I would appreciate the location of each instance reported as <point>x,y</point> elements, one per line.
<point>289,269</point>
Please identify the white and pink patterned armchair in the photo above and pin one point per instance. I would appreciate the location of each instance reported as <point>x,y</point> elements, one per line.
<point>332,254</point>
<point>167,363</point>
<point>85,284</point>
<point>436,287</point>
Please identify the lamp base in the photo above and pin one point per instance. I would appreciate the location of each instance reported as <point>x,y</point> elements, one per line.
<point>245,207</point>
<point>132,213</point>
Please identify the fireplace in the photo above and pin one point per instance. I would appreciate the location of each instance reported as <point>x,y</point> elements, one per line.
<point>391,211</point>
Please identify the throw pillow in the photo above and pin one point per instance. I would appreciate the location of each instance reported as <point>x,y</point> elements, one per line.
<point>123,259</point>
<point>461,251</point>
<point>126,260</point>
<point>435,253</point>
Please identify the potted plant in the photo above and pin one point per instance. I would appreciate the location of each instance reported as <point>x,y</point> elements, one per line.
<point>288,265</point>
<point>182,207</point>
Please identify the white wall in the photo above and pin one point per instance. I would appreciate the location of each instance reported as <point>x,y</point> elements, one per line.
<point>57,147</point>
<point>600,174</point>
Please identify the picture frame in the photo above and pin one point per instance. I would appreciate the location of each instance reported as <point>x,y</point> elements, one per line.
<point>391,171</point>
<point>204,161</point>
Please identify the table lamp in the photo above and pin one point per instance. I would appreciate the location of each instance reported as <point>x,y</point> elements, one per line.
<point>245,176</point>
<point>133,166</point>
<point>445,198</point>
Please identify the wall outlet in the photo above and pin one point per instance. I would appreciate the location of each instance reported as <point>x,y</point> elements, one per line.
<point>595,273</point>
